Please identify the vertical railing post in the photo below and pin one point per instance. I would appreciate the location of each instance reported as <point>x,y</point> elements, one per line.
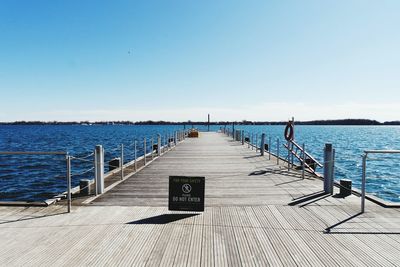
<point>277,151</point>
<point>159,145</point>
<point>175,137</point>
<point>121,163</point>
<point>152,148</point>
<point>292,155</point>
<point>269,147</point>
<point>252,141</point>
<point>256,142</point>
<point>363,181</point>
<point>242,135</point>
<point>69,202</point>
<point>262,148</point>
<point>144,151</point>
<point>135,155</point>
<point>288,155</point>
<point>99,169</point>
<point>328,169</point>
<point>304,161</point>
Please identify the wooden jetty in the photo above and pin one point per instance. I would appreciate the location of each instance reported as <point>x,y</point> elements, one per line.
<point>257,213</point>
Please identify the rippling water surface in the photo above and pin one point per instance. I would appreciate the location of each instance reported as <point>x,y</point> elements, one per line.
<point>33,177</point>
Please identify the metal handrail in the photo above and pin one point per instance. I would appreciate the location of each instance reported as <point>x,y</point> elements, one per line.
<point>364,168</point>
<point>307,154</point>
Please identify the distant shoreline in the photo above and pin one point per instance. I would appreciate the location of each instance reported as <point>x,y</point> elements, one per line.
<point>221,123</point>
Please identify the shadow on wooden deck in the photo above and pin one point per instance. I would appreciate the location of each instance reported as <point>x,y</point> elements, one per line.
<point>164,218</point>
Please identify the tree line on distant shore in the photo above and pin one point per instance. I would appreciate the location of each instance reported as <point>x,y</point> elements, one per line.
<point>222,123</point>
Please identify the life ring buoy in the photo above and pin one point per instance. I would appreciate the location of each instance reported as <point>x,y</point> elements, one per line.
<point>289,131</point>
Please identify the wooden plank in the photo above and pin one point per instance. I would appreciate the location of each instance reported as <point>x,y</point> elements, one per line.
<point>246,220</point>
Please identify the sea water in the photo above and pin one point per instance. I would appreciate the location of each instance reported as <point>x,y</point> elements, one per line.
<point>38,177</point>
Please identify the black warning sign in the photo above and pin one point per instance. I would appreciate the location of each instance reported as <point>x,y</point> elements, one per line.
<point>186,193</point>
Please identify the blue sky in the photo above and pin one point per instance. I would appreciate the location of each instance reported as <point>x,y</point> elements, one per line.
<point>179,60</point>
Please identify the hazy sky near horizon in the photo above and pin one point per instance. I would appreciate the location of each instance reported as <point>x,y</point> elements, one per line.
<point>179,60</point>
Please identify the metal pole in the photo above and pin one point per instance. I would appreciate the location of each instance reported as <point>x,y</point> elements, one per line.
<point>99,169</point>
<point>262,149</point>
<point>256,143</point>
<point>95,172</point>
<point>175,137</point>
<point>159,145</point>
<point>292,155</point>
<point>242,135</point>
<point>121,163</point>
<point>69,202</point>
<point>277,151</point>
<point>208,129</point>
<point>233,130</point>
<point>288,155</point>
<point>135,152</point>
<point>328,169</point>
<point>252,141</point>
<point>363,182</point>
<point>304,161</point>
<point>152,148</point>
<point>144,150</point>
<point>269,148</point>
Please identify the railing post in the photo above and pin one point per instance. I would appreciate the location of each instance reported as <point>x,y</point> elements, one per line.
<point>269,148</point>
<point>99,169</point>
<point>121,163</point>
<point>175,137</point>
<point>262,149</point>
<point>159,145</point>
<point>328,169</point>
<point>144,151</point>
<point>69,202</point>
<point>304,161</point>
<point>288,155</point>
<point>256,142</point>
<point>252,141</point>
<point>277,151</point>
<point>135,152</point>
<point>152,148</point>
<point>363,182</point>
<point>242,135</point>
<point>292,155</point>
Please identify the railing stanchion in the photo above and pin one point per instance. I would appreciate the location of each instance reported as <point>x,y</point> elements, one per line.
<point>262,148</point>
<point>363,182</point>
<point>304,161</point>
<point>135,154</point>
<point>69,202</point>
<point>152,148</point>
<point>144,151</point>
<point>328,168</point>
<point>121,163</point>
<point>292,155</point>
<point>175,138</point>
<point>288,155</point>
<point>269,148</point>
<point>256,142</point>
<point>99,169</point>
<point>277,151</point>
<point>159,145</point>
<point>252,141</point>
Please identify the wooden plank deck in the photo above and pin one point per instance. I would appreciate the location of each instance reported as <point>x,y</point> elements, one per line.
<point>247,221</point>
